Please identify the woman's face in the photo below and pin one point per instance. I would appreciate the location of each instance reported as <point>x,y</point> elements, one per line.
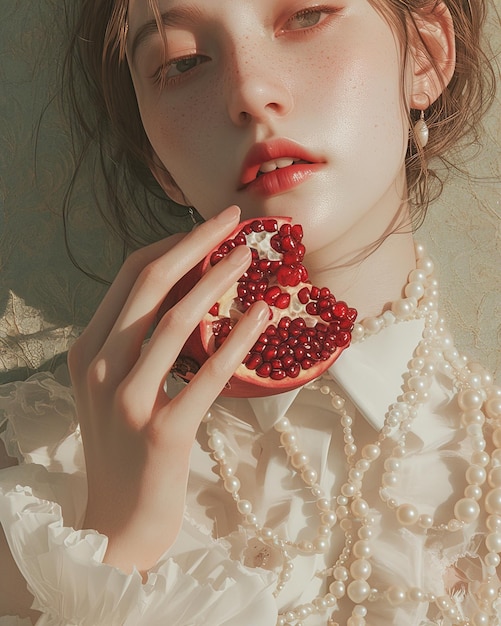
<point>249,85</point>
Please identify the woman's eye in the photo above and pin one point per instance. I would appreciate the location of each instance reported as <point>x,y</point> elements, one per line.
<point>178,67</point>
<point>304,19</point>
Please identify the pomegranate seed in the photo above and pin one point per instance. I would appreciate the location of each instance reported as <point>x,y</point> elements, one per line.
<point>269,353</point>
<point>258,347</point>
<point>346,324</point>
<point>214,310</point>
<point>276,243</point>
<point>307,363</point>
<point>340,309</point>
<point>288,244</point>
<point>278,374</point>
<point>303,295</point>
<point>254,361</point>
<point>216,257</point>
<point>291,258</point>
<point>264,370</point>
<point>240,239</point>
<point>321,328</point>
<point>343,339</point>
<point>300,251</point>
<point>257,226</point>
<point>285,229</point>
<point>264,265</point>
<point>299,353</point>
<point>288,361</point>
<point>283,301</point>
<point>312,308</point>
<point>270,226</point>
<point>314,293</point>
<point>325,292</point>
<point>297,232</point>
<point>284,322</point>
<point>351,314</point>
<point>247,229</point>
<point>326,315</point>
<point>272,294</point>
<point>294,370</point>
<point>284,275</point>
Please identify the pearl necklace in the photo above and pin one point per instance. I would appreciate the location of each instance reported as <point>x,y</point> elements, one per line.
<point>349,576</point>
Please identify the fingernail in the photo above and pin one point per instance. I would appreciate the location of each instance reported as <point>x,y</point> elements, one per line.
<point>259,311</point>
<point>230,214</point>
<point>239,255</point>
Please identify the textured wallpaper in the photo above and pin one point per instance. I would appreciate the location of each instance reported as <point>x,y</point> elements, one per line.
<point>45,301</point>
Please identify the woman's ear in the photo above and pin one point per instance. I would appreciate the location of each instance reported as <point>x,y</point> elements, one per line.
<point>165,180</point>
<point>433,51</point>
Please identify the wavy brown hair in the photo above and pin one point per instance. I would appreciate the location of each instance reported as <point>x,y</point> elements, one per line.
<point>107,125</point>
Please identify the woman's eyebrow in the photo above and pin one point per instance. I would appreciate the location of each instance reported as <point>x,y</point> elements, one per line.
<point>174,17</point>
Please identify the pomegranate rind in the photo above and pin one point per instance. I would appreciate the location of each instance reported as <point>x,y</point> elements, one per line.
<point>246,382</point>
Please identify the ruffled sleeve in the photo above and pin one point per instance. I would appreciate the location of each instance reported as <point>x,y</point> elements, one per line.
<point>40,507</point>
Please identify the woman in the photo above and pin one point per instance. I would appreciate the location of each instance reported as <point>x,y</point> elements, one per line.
<point>369,497</point>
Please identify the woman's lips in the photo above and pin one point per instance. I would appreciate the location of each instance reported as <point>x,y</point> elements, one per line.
<point>276,166</point>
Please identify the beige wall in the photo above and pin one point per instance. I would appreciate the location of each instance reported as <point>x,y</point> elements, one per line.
<point>43,299</point>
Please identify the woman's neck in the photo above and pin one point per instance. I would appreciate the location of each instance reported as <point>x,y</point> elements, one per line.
<point>371,277</point>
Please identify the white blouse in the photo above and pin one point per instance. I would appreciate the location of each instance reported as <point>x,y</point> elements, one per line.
<point>215,574</point>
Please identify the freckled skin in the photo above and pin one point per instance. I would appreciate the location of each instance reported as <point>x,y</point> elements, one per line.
<point>335,90</point>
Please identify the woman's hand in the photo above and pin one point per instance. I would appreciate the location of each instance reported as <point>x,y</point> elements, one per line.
<point>138,441</point>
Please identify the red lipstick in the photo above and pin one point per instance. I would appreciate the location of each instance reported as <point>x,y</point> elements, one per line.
<point>281,179</point>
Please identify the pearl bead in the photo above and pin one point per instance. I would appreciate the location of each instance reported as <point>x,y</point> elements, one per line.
<point>416,594</point>
<point>371,452</point>
<point>396,595</point>
<point>425,521</point>
<point>244,507</point>
<point>362,549</point>
<point>480,619</point>
<point>232,484</point>
<point>496,437</point>
<point>493,542</point>
<point>407,514</point>
<point>414,289</point>
<point>492,559</point>
<point>309,476</point>
<point>338,589</point>
<point>466,510</point>
<point>299,460</point>
<point>359,508</point>
<point>495,477</point>
<point>493,501</point>
<point>476,475</point>
<point>426,265</point>
<point>282,425</point>
<point>340,573</point>
<point>358,591</point>
<point>493,522</point>
<point>404,307</point>
<point>361,569</point>
<point>321,545</point>
<point>493,408</point>
<point>470,399</point>
<point>473,491</point>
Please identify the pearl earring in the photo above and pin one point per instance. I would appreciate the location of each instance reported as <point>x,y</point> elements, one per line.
<point>421,131</point>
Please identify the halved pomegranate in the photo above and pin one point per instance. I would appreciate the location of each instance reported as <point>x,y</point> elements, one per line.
<point>308,327</point>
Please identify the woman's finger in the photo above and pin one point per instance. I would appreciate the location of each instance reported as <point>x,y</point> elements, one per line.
<point>131,301</point>
<point>148,374</point>
<point>187,409</point>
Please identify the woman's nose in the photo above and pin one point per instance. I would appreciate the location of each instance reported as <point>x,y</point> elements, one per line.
<point>257,89</point>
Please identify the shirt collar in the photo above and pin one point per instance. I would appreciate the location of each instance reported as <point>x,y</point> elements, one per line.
<point>370,373</point>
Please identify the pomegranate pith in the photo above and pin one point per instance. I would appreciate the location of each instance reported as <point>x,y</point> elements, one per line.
<point>308,327</point>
